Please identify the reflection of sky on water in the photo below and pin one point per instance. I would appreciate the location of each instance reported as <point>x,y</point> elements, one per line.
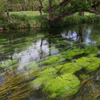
<point>42,48</point>
<point>87,38</point>
<point>70,34</point>
<point>74,36</point>
<point>35,52</point>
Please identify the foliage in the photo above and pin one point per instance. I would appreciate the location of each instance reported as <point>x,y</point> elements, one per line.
<point>52,60</point>
<point>8,63</point>
<point>70,68</point>
<point>57,10</point>
<point>66,84</point>
<point>90,64</point>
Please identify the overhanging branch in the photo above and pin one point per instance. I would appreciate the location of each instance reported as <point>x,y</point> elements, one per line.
<point>68,14</point>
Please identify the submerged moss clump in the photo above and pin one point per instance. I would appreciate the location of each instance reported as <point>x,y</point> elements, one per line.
<point>73,52</point>
<point>84,76</point>
<point>90,64</point>
<point>52,60</point>
<point>70,68</point>
<point>8,63</point>
<point>43,77</point>
<point>67,84</point>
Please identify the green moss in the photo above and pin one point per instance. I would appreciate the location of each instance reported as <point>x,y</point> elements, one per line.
<point>52,60</point>
<point>43,77</point>
<point>8,63</point>
<point>59,67</point>
<point>90,64</point>
<point>73,52</point>
<point>48,72</point>
<point>70,68</point>
<point>91,49</point>
<point>66,84</point>
<point>84,76</point>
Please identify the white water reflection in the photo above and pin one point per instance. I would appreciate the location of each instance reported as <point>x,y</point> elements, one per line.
<point>70,35</point>
<point>87,38</point>
<point>35,52</point>
<point>74,36</point>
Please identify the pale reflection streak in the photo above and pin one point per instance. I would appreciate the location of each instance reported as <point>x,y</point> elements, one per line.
<point>35,52</point>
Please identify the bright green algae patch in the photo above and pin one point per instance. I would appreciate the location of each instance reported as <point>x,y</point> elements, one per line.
<point>67,84</point>
<point>60,80</point>
<point>8,63</point>
<point>70,68</point>
<point>90,64</point>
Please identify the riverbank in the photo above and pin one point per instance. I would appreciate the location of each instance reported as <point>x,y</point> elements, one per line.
<point>30,19</point>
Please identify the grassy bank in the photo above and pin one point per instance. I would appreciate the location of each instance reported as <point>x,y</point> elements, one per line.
<point>30,19</point>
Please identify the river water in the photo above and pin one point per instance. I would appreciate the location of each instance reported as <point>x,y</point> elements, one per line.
<point>18,48</point>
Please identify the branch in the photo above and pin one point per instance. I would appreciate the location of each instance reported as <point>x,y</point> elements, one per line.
<point>40,10</point>
<point>95,4</point>
<point>93,11</point>
<point>68,14</point>
<point>63,3</point>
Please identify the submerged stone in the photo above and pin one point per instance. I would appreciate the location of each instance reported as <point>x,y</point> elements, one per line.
<point>90,64</point>
<point>52,60</point>
<point>70,68</point>
<point>67,84</point>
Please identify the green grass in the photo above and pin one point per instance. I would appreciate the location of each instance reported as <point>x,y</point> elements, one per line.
<point>31,19</point>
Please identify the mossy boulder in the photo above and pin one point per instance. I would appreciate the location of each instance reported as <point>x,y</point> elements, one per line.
<point>53,59</point>
<point>90,64</point>
<point>84,76</point>
<point>67,84</point>
<point>43,77</point>
<point>70,68</point>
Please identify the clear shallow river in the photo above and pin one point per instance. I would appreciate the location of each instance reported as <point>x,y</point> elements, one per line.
<point>20,48</point>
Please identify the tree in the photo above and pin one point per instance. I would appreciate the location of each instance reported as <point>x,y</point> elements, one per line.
<point>7,11</point>
<point>58,9</point>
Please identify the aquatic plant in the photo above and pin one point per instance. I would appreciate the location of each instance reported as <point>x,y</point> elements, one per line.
<point>90,64</point>
<point>70,68</point>
<point>43,77</point>
<point>8,63</point>
<point>90,49</point>
<point>67,84</point>
<point>52,60</point>
<point>84,76</point>
<point>15,87</point>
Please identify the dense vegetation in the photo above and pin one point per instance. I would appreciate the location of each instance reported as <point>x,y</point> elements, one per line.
<point>55,12</point>
<point>57,77</point>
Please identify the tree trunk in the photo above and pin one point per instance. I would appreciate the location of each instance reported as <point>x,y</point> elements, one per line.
<point>81,13</point>
<point>7,12</point>
<point>99,9</point>
<point>23,5</point>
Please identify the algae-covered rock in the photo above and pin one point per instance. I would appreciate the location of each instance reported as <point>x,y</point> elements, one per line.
<point>43,77</point>
<point>67,84</point>
<point>91,49</point>
<point>48,72</point>
<point>84,76</point>
<point>52,60</point>
<point>90,64</point>
<point>8,63</point>
<point>73,52</point>
<point>94,64</point>
<point>70,68</point>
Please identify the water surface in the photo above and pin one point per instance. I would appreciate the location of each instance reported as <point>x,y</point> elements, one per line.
<point>19,48</point>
